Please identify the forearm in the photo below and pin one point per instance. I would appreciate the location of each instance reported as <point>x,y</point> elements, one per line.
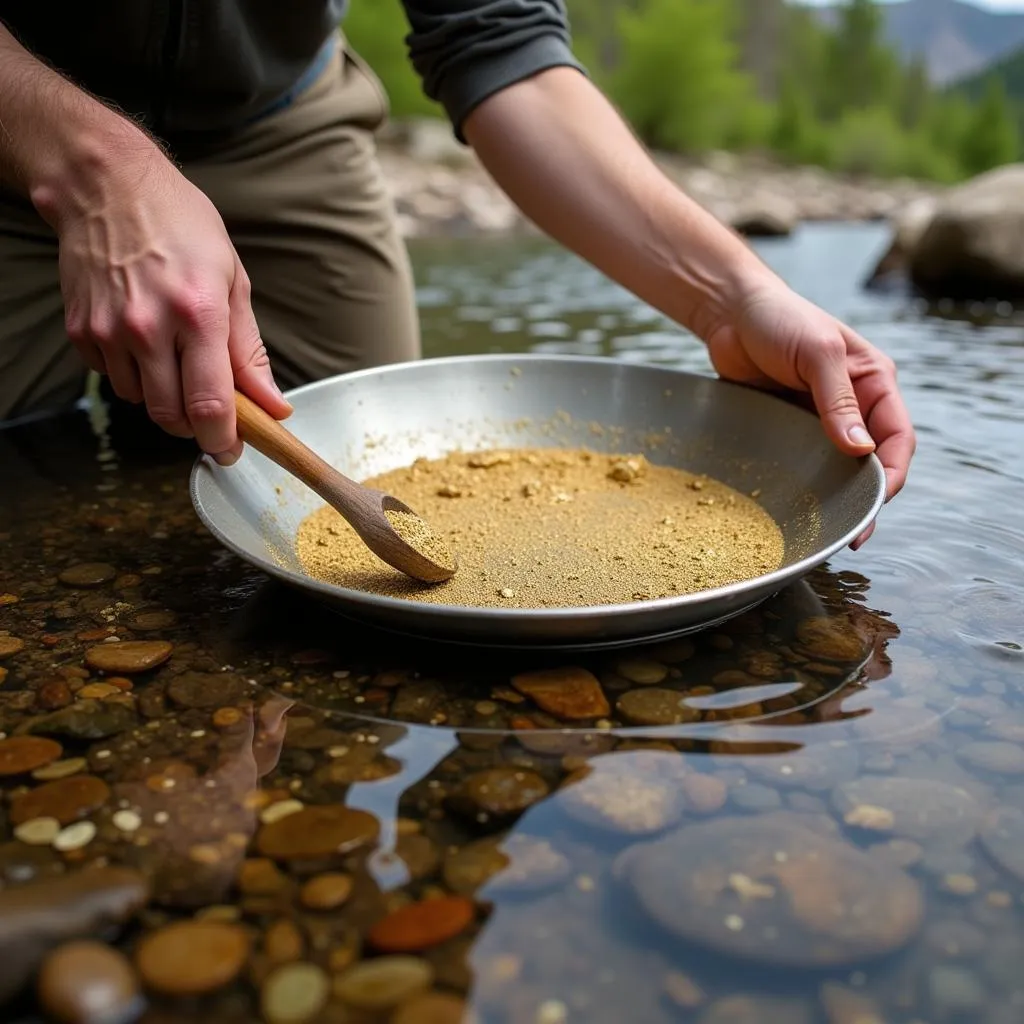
<point>562,153</point>
<point>57,143</point>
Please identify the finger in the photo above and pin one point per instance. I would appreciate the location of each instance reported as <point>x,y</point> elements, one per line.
<point>91,356</point>
<point>161,387</point>
<point>890,422</point>
<point>208,386</point>
<point>863,538</point>
<point>250,362</point>
<point>123,372</point>
<point>836,401</point>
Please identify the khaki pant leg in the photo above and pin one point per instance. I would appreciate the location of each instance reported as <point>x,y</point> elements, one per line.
<point>39,370</point>
<point>307,207</point>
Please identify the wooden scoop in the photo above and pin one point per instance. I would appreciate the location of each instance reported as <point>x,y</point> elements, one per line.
<point>364,509</point>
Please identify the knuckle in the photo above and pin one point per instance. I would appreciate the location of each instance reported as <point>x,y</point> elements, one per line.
<point>165,415</point>
<point>206,408</point>
<point>844,403</point>
<point>140,323</point>
<point>195,309</point>
<point>100,329</point>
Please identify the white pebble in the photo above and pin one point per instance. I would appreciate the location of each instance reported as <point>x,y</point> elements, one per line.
<point>552,1012</point>
<point>126,821</point>
<point>74,837</point>
<point>283,808</point>
<point>38,831</point>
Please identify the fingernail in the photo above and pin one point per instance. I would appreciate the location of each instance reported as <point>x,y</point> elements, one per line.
<point>859,436</point>
<point>225,458</point>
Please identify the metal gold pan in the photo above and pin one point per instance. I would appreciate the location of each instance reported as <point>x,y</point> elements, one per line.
<point>376,420</point>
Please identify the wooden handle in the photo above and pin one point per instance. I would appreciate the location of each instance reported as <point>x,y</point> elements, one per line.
<point>282,447</point>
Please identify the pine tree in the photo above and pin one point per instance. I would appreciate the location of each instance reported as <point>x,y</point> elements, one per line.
<point>992,138</point>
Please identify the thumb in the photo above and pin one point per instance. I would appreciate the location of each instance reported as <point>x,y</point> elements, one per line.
<point>836,402</point>
<point>249,359</point>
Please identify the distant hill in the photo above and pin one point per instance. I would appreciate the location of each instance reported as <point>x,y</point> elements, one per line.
<point>955,39</point>
<point>1010,70</point>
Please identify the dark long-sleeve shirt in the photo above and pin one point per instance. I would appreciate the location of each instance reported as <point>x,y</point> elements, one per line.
<point>191,68</point>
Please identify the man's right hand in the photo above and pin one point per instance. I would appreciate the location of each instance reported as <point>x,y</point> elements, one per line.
<point>156,298</point>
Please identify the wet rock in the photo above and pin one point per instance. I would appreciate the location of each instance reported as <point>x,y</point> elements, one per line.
<point>567,693</point>
<point>955,939</point>
<point>283,942</point>
<point>419,854</point>
<point>294,994</point>
<point>383,983</point>
<point>655,706</point>
<point>920,809</point>
<point>9,646</point>
<point>42,915</point>
<point>642,671</point>
<point>682,991</point>
<point>22,754</point>
<point>499,793</point>
<point>902,853</point>
<point>206,690</point>
<point>317,832</point>
<point>67,800</point>
<point>704,794</point>
<point>88,983</point>
<point>127,657</point>
<point>260,876</point>
<point>432,1008</point>
<point>1002,837</point>
<point>326,892</point>
<point>152,621</point>
<point>418,926</point>
<point>830,639</point>
<point>86,720</point>
<point>817,769</point>
<point>908,228</point>
<point>20,863</point>
<point>755,797</point>
<point>756,1010</point>
<point>54,695</point>
<point>773,892</point>
<point>191,958</point>
<point>88,574</point>
<point>848,1006</point>
<point>996,757</point>
<point>627,801</point>
<point>955,991</point>
<point>766,216</point>
<point>513,863</point>
<point>417,702</point>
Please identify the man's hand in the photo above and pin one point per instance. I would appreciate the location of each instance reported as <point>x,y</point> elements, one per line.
<point>156,299</point>
<point>773,338</point>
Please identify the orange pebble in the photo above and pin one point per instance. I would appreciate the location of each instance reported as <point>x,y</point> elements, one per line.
<point>421,925</point>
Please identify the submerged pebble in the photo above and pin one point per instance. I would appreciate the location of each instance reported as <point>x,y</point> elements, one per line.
<point>88,982</point>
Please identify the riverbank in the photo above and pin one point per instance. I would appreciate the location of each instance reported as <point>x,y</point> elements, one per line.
<point>440,188</point>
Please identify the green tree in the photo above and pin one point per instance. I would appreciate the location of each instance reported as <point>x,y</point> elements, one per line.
<point>862,70</point>
<point>678,82</point>
<point>377,29</point>
<point>915,95</point>
<point>992,137</point>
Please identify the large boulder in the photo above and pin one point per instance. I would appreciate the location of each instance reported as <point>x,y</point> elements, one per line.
<point>973,246</point>
<point>908,228</point>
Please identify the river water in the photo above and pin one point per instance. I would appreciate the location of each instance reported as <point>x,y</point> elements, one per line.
<point>839,838</point>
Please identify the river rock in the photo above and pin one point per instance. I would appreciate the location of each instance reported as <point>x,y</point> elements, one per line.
<point>830,639</point>
<point>294,994</point>
<point>908,227</point>
<point>9,646</point>
<point>956,992</point>
<point>758,1009</point>
<point>499,793</point>
<point>1002,836</point>
<point>315,832</point>
<point>88,574</point>
<point>22,754</point>
<point>418,926</point>
<point>818,768</point>
<point>206,690</point>
<point>383,983</point>
<point>86,720</point>
<point>40,916</point>
<point>773,892</point>
<point>972,247</point>
<point>567,693</point>
<point>919,809</point>
<point>513,863</point>
<point>190,958</point>
<point>432,1008</point>
<point>628,801</point>
<point>67,800</point>
<point>655,706</point>
<point>88,982</point>
<point>993,756</point>
<point>766,216</point>
<point>128,656</point>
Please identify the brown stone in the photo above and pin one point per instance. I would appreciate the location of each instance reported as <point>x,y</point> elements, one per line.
<point>830,639</point>
<point>126,657</point>
<point>317,832</point>
<point>326,892</point>
<point>54,695</point>
<point>85,982</point>
<point>22,754</point>
<point>67,800</point>
<point>283,942</point>
<point>499,792</point>
<point>206,690</point>
<point>567,693</point>
<point>420,925</point>
<point>431,1008</point>
<point>88,574</point>
<point>10,645</point>
<point>260,876</point>
<point>98,691</point>
<point>190,958</point>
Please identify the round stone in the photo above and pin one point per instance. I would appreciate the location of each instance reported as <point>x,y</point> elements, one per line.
<point>85,982</point>
<point>420,925</point>
<point>755,797</point>
<point>190,958</point>
<point>1002,836</point>
<point>704,794</point>
<point>279,810</point>
<point>996,757</point>
<point>326,892</point>
<point>294,993</point>
<point>500,792</point>
<point>126,821</point>
<point>513,863</point>
<point>431,1008</point>
<point>567,693</point>
<point>317,832</point>
<point>98,691</point>
<point>9,646</point>
<point>74,837</point>
<point>830,639</point>
<point>770,891</point>
<point>628,802</point>
<point>655,706</point>
<point>918,809</point>
<point>37,831</point>
<point>642,671</point>
<point>146,622</point>
<point>126,657</point>
<point>383,983</point>
<point>206,690</point>
<point>21,754</point>
<point>88,574</point>
<point>67,800</point>
<point>60,769</point>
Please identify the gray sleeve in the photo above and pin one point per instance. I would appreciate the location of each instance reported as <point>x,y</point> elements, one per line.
<point>467,50</point>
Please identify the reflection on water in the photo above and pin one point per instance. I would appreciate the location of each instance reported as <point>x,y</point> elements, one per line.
<point>814,813</point>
